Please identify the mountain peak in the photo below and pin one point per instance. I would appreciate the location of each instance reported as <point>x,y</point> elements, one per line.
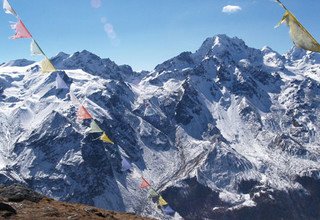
<point>296,53</point>
<point>220,42</point>
<point>300,55</point>
<point>223,47</point>
<point>220,47</point>
<point>19,63</point>
<point>223,39</point>
<point>85,54</point>
<point>267,49</point>
<point>84,60</point>
<point>62,54</point>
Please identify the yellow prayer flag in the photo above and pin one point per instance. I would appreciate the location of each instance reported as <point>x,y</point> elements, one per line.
<point>162,202</point>
<point>46,66</point>
<point>105,138</point>
<point>299,35</point>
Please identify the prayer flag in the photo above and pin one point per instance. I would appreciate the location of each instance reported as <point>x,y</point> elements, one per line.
<point>83,113</point>
<point>46,66</point>
<point>74,99</point>
<point>153,193</point>
<point>8,9</point>
<point>168,210</point>
<point>60,83</point>
<point>35,49</point>
<point>94,128</point>
<point>21,30</point>
<point>162,202</point>
<point>105,138</point>
<point>299,35</point>
<point>125,164</point>
<point>144,184</point>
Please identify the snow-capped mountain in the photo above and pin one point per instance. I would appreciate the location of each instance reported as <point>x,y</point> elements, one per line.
<point>226,132</point>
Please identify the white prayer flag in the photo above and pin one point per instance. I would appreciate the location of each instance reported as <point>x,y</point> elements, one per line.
<point>94,128</point>
<point>8,9</point>
<point>35,49</point>
<point>74,99</point>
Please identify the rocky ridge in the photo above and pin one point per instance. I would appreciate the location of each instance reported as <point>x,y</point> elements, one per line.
<point>19,202</point>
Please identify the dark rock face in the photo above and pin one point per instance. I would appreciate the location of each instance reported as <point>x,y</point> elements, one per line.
<point>289,145</point>
<point>311,184</point>
<point>192,198</point>
<point>6,210</point>
<point>15,194</point>
<point>187,103</point>
<point>246,186</point>
<point>195,201</point>
<point>19,193</point>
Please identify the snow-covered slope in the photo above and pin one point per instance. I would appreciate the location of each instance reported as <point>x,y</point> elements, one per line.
<point>225,132</point>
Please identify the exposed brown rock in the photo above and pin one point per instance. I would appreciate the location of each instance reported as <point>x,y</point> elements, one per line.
<point>19,202</point>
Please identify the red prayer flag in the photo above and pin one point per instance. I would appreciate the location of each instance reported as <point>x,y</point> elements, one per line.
<point>83,113</point>
<point>21,30</point>
<point>144,183</point>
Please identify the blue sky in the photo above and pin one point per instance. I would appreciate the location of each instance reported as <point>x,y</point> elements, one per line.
<point>144,33</point>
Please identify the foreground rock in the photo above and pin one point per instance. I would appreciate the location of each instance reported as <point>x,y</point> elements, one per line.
<point>19,202</point>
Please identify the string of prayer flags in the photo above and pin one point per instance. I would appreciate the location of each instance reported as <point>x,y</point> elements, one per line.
<point>104,137</point>
<point>162,202</point>
<point>299,34</point>
<point>8,9</point>
<point>35,49</point>
<point>46,66</point>
<point>153,193</point>
<point>60,83</point>
<point>167,210</point>
<point>144,184</point>
<point>94,128</point>
<point>125,164</point>
<point>83,113</point>
<point>20,30</point>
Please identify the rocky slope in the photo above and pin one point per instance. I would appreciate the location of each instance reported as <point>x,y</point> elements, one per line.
<point>19,202</point>
<point>225,132</point>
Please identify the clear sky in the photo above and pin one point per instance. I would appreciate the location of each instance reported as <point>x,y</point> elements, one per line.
<point>144,33</point>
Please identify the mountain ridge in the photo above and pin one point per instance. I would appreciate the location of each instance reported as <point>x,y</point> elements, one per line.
<point>225,132</point>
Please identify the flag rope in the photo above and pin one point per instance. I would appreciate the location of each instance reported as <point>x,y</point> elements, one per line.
<point>282,5</point>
